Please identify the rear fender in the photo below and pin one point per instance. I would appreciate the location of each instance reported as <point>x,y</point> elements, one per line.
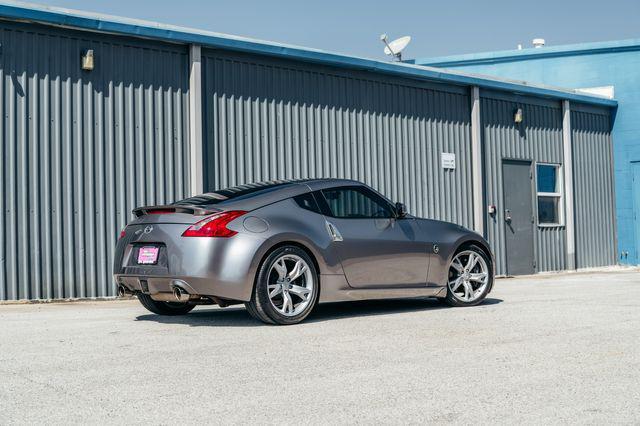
<point>326,260</point>
<point>288,223</point>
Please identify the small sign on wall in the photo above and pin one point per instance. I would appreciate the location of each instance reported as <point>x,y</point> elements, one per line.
<point>448,160</point>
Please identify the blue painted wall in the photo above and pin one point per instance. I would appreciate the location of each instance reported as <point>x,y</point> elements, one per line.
<point>636,203</point>
<point>579,69</point>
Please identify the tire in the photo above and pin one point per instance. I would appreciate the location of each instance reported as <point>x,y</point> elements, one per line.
<point>455,298</point>
<point>302,291</point>
<point>164,308</point>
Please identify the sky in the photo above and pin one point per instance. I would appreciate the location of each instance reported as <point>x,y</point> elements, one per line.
<point>445,27</point>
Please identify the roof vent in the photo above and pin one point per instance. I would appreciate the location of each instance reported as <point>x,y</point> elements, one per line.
<point>538,43</point>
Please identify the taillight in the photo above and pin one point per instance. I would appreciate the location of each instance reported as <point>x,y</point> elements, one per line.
<point>123,232</point>
<point>214,226</point>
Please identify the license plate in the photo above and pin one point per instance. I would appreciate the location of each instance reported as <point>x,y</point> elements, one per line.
<point>148,255</point>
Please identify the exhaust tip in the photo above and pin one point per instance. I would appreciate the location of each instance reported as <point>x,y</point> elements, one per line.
<point>177,293</point>
<point>180,294</point>
<point>122,291</point>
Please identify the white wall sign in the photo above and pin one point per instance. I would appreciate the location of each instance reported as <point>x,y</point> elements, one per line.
<point>448,160</point>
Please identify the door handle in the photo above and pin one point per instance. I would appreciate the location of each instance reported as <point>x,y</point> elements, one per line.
<point>507,215</point>
<point>333,231</point>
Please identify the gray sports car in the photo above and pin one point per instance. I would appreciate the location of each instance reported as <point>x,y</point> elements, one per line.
<point>282,247</point>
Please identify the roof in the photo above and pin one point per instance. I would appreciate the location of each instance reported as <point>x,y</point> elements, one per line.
<point>175,34</point>
<point>532,53</point>
<point>249,189</point>
<point>227,194</point>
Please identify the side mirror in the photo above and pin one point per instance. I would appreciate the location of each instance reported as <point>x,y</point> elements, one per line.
<point>401,210</point>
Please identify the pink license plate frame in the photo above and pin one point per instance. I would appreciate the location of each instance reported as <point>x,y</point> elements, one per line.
<point>148,255</point>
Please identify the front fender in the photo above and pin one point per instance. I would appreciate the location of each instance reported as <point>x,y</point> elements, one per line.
<point>453,237</point>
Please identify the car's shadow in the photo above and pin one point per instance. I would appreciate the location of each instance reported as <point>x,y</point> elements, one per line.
<point>237,316</point>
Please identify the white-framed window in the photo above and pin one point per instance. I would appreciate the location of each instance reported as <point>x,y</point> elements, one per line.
<point>549,194</point>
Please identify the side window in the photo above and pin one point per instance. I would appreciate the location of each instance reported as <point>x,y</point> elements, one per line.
<point>356,203</point>
<point>307,202</point>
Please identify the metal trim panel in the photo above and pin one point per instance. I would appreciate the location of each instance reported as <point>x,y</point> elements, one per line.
<point>594,189</point>
<point>522,98</point>
<point>569,185</point>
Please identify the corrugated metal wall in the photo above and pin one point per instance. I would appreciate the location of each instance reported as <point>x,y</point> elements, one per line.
<point>594,190</point>
<point>80,150</point>
<point>537,139</point>
<point>269,119</point>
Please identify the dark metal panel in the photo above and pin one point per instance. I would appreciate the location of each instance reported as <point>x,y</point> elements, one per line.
<point>80,150</point>
<point>538,139</point>
<point>594,190</point>
<point>271,119</point>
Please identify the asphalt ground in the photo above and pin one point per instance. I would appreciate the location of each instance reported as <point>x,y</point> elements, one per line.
<point>559,348</point>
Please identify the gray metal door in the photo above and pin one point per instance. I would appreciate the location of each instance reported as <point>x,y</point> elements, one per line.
<point>518,217</point>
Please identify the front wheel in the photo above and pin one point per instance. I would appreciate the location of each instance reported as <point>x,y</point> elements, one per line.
<point>470,277</point>
<point>286,288</point>
<point>164,308</point>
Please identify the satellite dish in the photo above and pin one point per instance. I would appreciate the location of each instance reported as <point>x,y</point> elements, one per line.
<point>395,47</point>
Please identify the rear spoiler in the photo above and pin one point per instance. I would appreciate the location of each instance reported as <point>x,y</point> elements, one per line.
<point>172,208</point>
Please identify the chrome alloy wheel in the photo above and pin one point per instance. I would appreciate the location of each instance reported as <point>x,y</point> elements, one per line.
<point>291,285</point>
<point>468,276</point>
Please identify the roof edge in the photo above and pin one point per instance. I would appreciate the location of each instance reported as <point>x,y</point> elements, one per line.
<point>531,53</point>
<point>169,33</point>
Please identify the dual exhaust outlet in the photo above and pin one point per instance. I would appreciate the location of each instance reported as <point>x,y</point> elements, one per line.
<point>179,293</point>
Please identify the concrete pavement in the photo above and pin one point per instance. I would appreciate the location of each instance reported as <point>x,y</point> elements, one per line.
<point>554,348</point>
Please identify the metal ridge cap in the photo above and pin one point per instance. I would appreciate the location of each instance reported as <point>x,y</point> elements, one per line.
<point>547,51</point>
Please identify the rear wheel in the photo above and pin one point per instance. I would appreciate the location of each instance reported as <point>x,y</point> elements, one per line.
<point>164,308</point>
<point>469,277</point>
<point>286,288</point>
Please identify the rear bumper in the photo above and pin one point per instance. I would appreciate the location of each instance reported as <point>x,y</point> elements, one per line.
<point>161,288</point>
<point>216,267</point>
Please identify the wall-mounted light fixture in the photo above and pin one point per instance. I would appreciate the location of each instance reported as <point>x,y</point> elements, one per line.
<point>87,60</point>
<point>517,116</point>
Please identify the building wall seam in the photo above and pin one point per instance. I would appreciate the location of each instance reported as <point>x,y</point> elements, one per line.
<point>195,120</point>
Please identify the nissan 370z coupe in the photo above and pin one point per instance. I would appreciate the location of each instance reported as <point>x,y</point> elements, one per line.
<point>281,247</point>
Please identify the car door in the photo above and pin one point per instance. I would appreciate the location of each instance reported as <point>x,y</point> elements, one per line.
<point>376,248</point>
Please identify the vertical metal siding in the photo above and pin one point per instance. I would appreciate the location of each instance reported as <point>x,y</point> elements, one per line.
<point>537,139</point>
<point>80,150</point>
<point>594,193</point>
<point>271,119</point>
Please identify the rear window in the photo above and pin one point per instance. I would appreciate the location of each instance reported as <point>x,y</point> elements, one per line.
<point>307,202</point>
<point>234,193</point>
